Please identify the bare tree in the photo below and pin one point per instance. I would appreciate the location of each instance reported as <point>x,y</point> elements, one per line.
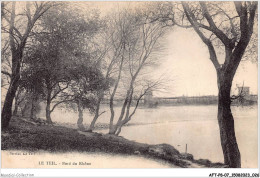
<point>140,42</point>
<point>226,28</point>
<point>112,60</point>
<point>18,35</point>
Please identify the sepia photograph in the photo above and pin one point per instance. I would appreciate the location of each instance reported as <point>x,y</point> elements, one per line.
<point>129,84</point>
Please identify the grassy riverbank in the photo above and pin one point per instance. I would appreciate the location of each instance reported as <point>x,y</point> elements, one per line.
<point>23,135</point>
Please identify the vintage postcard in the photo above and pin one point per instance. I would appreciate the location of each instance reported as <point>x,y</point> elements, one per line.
<point>146,84</point>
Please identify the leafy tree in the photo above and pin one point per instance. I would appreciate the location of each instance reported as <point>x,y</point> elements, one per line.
<point>32,84</point>
<point>136,41</point>
<point>62,36</point>
<point>86,82</point>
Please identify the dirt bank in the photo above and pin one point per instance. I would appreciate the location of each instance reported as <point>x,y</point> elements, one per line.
<point>24,135</point>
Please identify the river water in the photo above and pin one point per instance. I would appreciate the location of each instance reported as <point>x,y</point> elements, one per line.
<point>195,126</point>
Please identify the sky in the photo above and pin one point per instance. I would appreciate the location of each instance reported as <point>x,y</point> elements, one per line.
<point>186,62</point>
<point>193,74</point>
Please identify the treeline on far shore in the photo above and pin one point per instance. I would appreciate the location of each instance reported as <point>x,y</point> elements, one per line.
<point>192,100</point>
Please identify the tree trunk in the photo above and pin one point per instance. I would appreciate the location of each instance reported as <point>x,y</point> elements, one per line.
<point>7,108</point>
<point>80,119</point>
<point>48,107</point>
<point>24,110</point>
<point>122,123</point>
<point>226,123</point>
<point>119,127</point>
<point>15,107</point>
<point>111,103</point>
<point>125,120</point>
<point>15,77</point>
<point>17,102</point>
<point>115,127</point>
<point>92,125</point>
<point>33,107</point>
<point>111,126</point>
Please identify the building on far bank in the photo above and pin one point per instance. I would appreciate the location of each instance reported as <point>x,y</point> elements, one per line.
<point>244,91</point>
<point>244,97</point>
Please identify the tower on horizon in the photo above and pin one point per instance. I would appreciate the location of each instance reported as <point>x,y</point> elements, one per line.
<point>244,91</point>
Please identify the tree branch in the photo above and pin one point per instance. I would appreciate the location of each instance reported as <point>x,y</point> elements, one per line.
<point>63,101</point>
<point>190,16</point>
<point>15,29</point>
<point>233,31</point>
<point>245,28</point>
<point>101,113</point>
<point>6,73</point>
<point>60,90</point>
<point>225,40</point>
